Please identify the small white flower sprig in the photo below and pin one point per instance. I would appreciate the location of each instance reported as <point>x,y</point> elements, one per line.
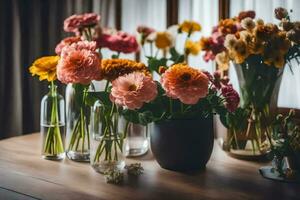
<point>115,176</point>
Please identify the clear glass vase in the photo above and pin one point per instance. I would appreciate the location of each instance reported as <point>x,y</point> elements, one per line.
<point>106,138</point>
<point>53,125</point>
<point>259,87</point>
<point>137,140</point>
<point>78,118</point>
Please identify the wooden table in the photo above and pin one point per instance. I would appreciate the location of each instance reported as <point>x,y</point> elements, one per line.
<point>25,175</point>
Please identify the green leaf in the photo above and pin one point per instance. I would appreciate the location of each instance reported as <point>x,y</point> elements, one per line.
<point>175,56</point>
<point>92,97</point>
<point>154,63</point>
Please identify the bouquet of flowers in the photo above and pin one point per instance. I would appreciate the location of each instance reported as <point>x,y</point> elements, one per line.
<point>259,52</point>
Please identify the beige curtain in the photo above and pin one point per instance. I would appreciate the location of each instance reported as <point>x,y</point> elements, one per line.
<point>31,29</point>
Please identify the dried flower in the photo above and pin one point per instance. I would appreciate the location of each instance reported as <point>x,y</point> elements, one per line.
<point>189,27</point>
<point>45,68</point>
<point>281,13</point>
<point>133,90</point>
<point>260,22</point>
<point>164,40</point>
<point>79,63</point>
<point>222,60</point>
<point>185,83</point>
<point>113,68</point>
<point>134,169</point>
<point>244,14</point>
<point>113,176</point>
<point>230,41</point>
<point>248,23</point>
<point>227,26</point>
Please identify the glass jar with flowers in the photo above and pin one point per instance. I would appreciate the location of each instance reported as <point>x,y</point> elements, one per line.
<point>107,132</point>
<point>259,52</point>
<point>285,149</point>
<point>52,110</point>
<point>78,66</point>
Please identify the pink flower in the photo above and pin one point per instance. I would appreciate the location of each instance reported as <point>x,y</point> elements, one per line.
<point>231,97</point>
<point>75,22</point>
<point>145,30</point>
<point>185,83</point>
<point>65,42</point>
<point>79,63</point>
<point>120,42</point>
<point>133,90</point>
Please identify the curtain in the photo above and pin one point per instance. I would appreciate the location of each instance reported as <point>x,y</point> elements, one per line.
<point>31,29</point>
<point>204,12</point>
<point>289,93</point>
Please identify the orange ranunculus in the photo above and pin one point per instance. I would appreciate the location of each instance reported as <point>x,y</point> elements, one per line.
<point>185,83</point>
<point>227,26</point>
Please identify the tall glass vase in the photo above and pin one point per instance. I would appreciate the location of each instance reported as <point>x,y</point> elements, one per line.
<point>259,87</point>
<point>78,117</point>
<point>106,138</point>
<point>53,125</point>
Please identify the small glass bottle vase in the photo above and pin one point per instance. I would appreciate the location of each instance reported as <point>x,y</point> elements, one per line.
<point>78,117</point>
<point>106,139</point>
<point>137,140</point>
<point>53,125</point>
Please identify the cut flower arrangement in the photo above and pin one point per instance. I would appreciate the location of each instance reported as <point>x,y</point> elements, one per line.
<point>92,117</point>
<point>259,52</point>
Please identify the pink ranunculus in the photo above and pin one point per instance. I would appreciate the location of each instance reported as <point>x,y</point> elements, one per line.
<point>120,42</point>
<point>231,97</point>
<point>65,42</point>
<point>75,22</point>
<point>133,90</point>
<point>79,63</point>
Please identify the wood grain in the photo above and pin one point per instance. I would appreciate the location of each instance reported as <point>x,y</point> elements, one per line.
<point>25,175</point>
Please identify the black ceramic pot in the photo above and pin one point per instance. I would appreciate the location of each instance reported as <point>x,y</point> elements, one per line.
<point>183,145</point>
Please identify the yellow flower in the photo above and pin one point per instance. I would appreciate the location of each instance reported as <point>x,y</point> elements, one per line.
<point>45,68</point>
<point>222,60</point>
<point>189,27</point>
<point>192,47</point>
<point>163,40</point>
<point>113,68</point>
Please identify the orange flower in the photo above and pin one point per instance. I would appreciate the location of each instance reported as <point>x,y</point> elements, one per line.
<point>113,68</point>
<point>227,26</point>
<point>185,83</point>
<point>163,40</point>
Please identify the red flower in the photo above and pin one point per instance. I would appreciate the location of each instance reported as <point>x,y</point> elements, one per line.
<point>120,42</point>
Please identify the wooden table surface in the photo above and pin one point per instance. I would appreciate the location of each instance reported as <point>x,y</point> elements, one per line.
<point>25,175</point>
